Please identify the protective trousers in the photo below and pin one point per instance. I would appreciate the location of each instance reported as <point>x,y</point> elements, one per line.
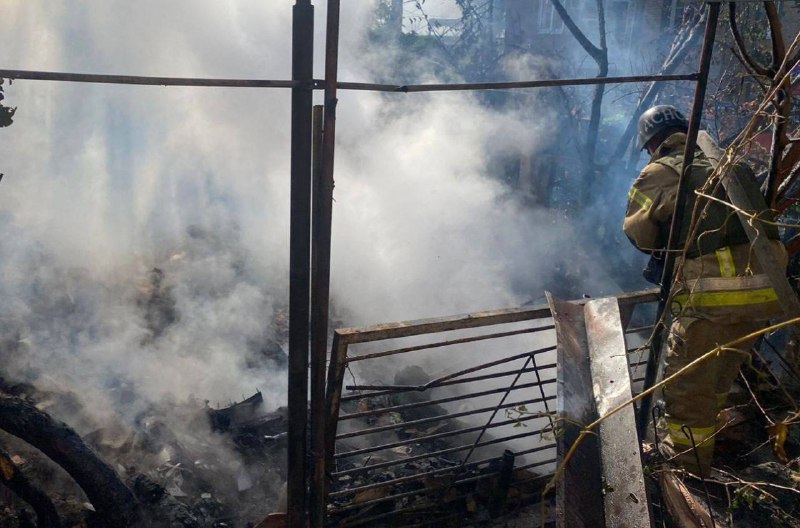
<point>693,400</point>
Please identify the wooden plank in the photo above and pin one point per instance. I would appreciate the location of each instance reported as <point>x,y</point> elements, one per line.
<point>624,496</point>
<point>472,320</point>
<point>579,500</point>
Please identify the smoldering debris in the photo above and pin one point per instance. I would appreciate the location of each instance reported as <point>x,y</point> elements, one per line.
<point>177,480</point>
<point>405,459</point>
<point>122,362</point>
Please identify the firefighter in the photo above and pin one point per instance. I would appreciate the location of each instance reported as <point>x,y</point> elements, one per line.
<point>720,293</point>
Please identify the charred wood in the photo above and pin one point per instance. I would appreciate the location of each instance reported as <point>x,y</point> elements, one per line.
<point>248,424</point>
<point>114,503</point>
<point>18,483</point>
<point>162,509</point>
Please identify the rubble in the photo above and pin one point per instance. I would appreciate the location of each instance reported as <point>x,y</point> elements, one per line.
<point>176,481</point>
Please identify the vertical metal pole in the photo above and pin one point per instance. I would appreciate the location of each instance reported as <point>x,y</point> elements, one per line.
<point>680,203</point>
<point>321,261</point>
<point>319,333</point>
<point>299,257</point>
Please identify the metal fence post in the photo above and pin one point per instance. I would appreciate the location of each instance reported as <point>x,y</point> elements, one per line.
<point>677,216</point>
<point>299,257</point>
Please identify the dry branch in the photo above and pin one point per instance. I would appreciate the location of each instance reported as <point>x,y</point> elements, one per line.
<point>600,56</point>
<point>741,50</point>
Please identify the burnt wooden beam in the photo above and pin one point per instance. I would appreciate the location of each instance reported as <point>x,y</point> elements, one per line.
<point>12,478</point>
<point>113,502</point>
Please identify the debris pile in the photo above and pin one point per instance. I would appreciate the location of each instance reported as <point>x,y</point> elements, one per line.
<point>419,466</point>
<point>187,461</point>
<point>230,476</point>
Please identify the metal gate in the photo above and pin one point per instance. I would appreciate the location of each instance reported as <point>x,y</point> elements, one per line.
<point>448,421</point>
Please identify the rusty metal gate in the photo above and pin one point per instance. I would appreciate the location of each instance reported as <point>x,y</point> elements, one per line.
<point>448,421</point>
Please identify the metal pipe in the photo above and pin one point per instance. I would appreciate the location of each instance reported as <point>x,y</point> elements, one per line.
<point>448,343</point>
<point>321,257</point>
<point>143,80</point>
<point>318,328</point>
<point>537,464</point>
<point>438,381</point>
<point>542,480</point>
<point>444,471</point>
<point>639,329</point>
<point>459,381</point>
<point>500,406</point>
<point>351,336</point>
<point>418,491</point>
<point>299,257</point>
<point>677,214</point>
<point>460,397</point>
<point>434,419</point>
<point>333,396</point>
<point>408,88</point>
<point>149,81</point>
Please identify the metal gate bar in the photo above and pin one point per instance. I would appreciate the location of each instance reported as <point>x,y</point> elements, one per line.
<point>380,490</point>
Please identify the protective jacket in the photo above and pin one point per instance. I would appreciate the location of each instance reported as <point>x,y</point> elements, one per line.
<point>721,293</point>
<point>721,276</point>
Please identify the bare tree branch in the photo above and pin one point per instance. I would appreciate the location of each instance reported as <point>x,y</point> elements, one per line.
<point>593,51</point>
<point>600,56</point>
<point>597,102</point>
<point>687,37</point>
<point>776,34</point>
<point>740,47</point>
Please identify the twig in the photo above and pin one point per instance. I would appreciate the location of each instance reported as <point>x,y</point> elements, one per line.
<point>755,399</point>
<point>741,211</point>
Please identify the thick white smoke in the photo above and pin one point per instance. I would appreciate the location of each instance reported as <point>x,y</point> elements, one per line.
<point>104,183</point>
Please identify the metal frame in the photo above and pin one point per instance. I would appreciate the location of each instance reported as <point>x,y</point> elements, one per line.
<point>395,490</point>
<point>677,219</point>
<point>301,245</point>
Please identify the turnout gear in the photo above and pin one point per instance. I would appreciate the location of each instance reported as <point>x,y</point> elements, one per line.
<point>657,119</point>
<point>720,295</point>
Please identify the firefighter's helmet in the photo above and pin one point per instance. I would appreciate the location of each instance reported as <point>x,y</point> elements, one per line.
<point>658,118</point>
